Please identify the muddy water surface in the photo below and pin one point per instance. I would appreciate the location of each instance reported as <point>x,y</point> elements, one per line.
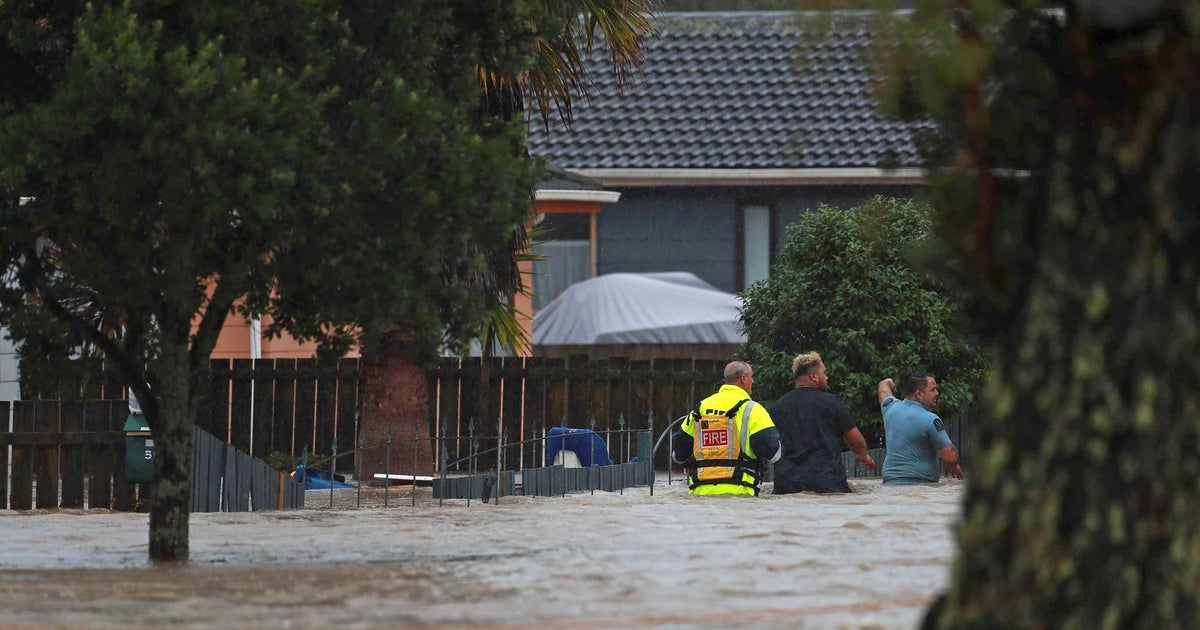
<point>873,559</point>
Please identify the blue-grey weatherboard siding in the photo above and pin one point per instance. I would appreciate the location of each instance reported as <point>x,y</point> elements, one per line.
<point>694,228</point>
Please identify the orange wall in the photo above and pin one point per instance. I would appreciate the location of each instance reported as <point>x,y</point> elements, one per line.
<point>234,343</point>
<point>524,306</point>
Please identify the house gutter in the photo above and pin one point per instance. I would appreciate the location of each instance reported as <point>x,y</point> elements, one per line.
<point>631,177</point>
<point>594,196</point>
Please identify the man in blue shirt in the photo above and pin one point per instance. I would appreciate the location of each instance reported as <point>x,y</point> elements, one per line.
<point>916,437</point>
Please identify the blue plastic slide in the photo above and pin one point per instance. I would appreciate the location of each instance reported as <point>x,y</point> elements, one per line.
<point>318,479</point>
<point>589,447</point>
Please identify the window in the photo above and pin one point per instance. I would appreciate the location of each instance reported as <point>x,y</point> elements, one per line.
<point>756,244</point>
<point>565,244</point>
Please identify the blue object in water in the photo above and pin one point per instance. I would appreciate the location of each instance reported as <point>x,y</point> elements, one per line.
<point>318,479</point>
<point>589,447</point>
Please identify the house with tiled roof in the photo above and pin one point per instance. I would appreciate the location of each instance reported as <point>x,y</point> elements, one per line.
<point>726,140</point>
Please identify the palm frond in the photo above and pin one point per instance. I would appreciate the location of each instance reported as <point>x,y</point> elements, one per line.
<point>567,35</point>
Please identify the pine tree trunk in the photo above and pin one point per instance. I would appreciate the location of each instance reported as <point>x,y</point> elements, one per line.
<point>171,507</point>
<point>1083,504</point>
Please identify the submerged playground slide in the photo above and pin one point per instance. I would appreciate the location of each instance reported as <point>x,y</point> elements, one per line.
<point>319,479</point>
<point>585,443</point>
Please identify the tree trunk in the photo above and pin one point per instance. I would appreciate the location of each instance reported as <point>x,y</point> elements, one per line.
<point>172,432</point>
<point>1082,509</point>
<point>489,420</point>
<point>394,397</point>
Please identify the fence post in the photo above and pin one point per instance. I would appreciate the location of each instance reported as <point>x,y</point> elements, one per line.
<point>670,448</point>
<point>332,468</point>
<point>645,457</point>
<point>387,464</point>
<point>591,452</point>
<point>444,458</point>
<point>416,445</point>
<point>443,464</point>
<point>624,456</point>
<point>498,484</point>
<point>358,459</point>
<point>542,442</point>
<point>304,464</point>
<point>470,457</point>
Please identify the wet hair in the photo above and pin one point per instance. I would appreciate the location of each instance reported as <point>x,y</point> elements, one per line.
<point>805,363</point>
<point>734,371</point>
<point>913,381</point>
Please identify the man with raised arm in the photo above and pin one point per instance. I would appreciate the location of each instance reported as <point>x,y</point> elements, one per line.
<point>916,437</point>
<point>725,442</point>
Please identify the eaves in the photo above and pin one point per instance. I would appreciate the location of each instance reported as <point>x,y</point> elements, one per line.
<point>653,177</point>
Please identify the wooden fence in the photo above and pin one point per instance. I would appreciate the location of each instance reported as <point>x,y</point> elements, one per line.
<point>283,405</point>
<point>64,455</point>
<point>225,479</point>
<point>72,455</point>
<point>528,396</point>
<point>286,406</point>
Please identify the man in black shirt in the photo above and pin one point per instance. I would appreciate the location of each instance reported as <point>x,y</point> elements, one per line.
<point>812,424</point>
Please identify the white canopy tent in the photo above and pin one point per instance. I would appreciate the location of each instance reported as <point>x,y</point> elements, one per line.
<point>640,308</point>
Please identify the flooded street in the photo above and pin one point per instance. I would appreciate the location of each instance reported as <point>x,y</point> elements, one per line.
<point>873,559</point>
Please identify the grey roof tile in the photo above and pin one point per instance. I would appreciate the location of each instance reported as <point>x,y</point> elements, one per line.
<point>729,91</point>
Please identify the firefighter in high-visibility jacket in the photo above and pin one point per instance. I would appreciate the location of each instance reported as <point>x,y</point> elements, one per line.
<point>726,442</point>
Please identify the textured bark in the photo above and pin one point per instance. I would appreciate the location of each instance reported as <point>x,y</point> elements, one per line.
<point>394,397</point>
<point>172,423</point>
<point>1082,509</point>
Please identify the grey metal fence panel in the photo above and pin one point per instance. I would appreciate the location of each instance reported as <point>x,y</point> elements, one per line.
<point>853,472</point>
<point>216,472</point>
<point>525,481</point>
<point>229,478</point>
<point>242,482</point>
<point>199,471</point>
<point>578,480</point>
<point>215,454</point>
<point>537,481</point>
<point>510,483</point>
<point>645,446</point>
<point>293,494</point>
<point>271,478</point>
<point>558,481</point>
<point>209,458</point>
<point>473,486</point>
<point>264,487</point>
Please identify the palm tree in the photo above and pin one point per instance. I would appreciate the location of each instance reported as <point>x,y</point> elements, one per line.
<point>565,33</point>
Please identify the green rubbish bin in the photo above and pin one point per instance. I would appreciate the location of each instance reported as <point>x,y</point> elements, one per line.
<point>139,449</point>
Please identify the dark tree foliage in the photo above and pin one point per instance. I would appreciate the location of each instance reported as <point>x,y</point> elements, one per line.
<point>319,164</point>
<point>847,285</point>
<point>1068,180</point>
